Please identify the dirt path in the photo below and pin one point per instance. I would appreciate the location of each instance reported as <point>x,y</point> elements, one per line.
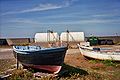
<point>6,53</point>
<point>74,58</point>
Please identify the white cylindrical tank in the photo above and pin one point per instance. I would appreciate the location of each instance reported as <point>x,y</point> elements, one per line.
<point>45,37</point>
<point>72,36</point>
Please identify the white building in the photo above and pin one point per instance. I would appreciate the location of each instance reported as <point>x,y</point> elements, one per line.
<point>46,37</point>
<point>72,36</point>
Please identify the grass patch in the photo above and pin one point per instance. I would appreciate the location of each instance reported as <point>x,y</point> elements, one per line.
<point>109,63</point>
<point>94,61</point>
<point>116,75</point>
<point>67,73</point>
<point>105,62</point>
<point>20,74</point>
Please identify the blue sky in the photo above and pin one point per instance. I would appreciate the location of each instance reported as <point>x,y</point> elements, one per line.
<point>23,18</point>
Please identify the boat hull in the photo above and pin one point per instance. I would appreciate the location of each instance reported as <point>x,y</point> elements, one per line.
<point>49,68</point>
<point>50,59</point>
<point>100,55</point>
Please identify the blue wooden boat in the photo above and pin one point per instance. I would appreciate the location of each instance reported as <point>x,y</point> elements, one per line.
<point>49,59</point>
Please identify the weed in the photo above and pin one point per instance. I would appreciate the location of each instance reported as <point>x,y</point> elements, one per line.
<point>109,63</point>
<point>94,61</point>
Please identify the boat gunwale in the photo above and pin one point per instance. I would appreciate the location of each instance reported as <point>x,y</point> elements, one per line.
<point>107,52</point>
<point>40,50</point>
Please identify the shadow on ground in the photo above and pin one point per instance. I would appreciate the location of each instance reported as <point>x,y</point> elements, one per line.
<point>68,71</point>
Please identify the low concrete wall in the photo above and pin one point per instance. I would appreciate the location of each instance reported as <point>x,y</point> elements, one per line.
<point>116,39</point>
<point>18,41</point>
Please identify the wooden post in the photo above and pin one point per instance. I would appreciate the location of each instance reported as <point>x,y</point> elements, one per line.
<point>17,60</point>
<point>48,37</point>
<point>17,64</point>
<point>67,38</point>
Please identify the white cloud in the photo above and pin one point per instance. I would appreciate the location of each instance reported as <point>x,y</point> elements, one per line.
<point>89,21</point>
<point>57,21</point>
<point>106,15</point>
<point>42,7</point>
<point>96,21</point>
<point>22,20</point>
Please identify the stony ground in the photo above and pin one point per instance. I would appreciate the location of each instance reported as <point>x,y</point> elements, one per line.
<point>88,69</point>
